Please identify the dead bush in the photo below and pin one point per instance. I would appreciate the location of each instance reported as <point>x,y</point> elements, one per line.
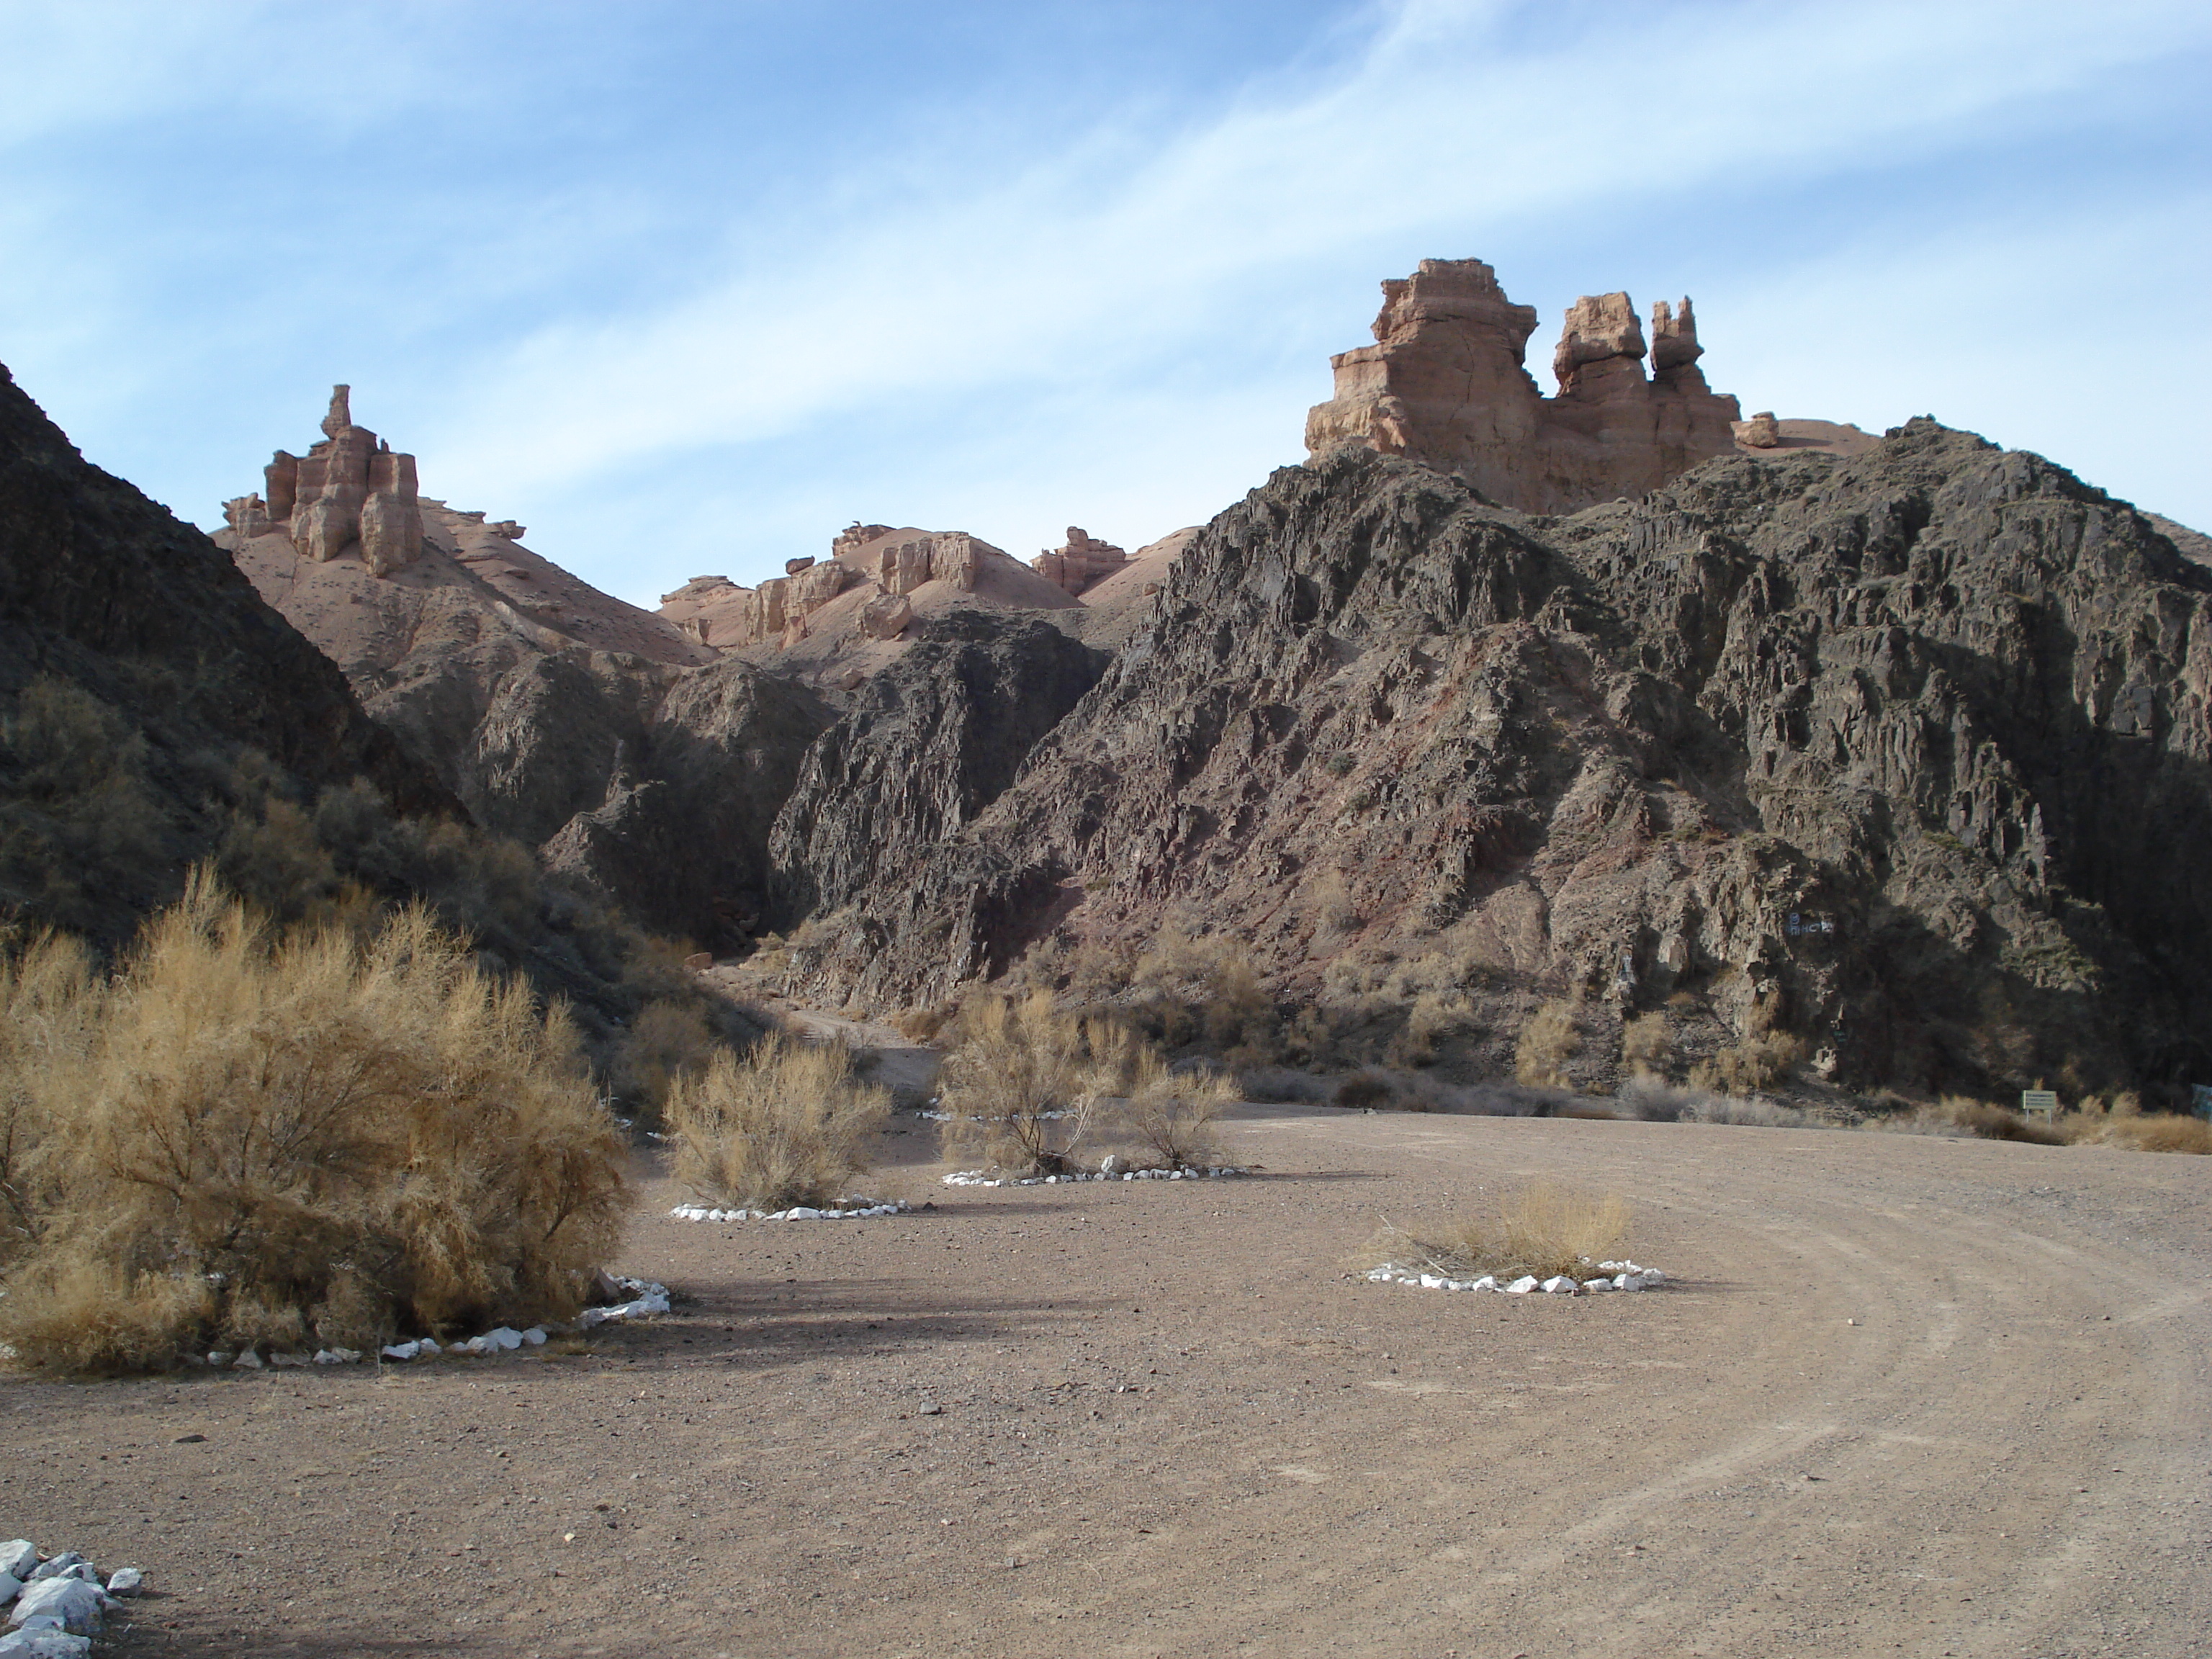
<point>1759,1061</point>
<point>786,1123</point>
<point>1547,1042</point>
<point>2157,1132</point>
<point>1171,1114</point>
<point>1961,1115</point>
<point>1365,1090</point>
<point>354,1138</point>
<point>1646,1045</point>
<point>1023,1082</point>
<point>1544,1229</point>
<point>668,1042</point>
<point>923,1024</point>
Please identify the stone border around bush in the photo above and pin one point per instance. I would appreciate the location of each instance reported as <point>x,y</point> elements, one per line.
<point>643,1297</point>
<point>855,1209</point>
<point>1612,1276</point>
<point>57,1604</point>
<point>985,1178</point>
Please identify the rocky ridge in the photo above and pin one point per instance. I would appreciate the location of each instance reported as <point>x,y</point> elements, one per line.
<point>1887,753</point>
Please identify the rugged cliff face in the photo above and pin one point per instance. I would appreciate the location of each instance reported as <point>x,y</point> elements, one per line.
<point>1894,753</point>
<point>930,742</point>
<point>144,692</point>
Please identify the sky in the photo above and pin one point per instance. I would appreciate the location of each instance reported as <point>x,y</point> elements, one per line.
<point>686,286</point>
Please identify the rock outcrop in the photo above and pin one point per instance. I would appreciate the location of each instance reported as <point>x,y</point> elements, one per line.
<point>1890,754</point>
<point>1445,383</point>
<point>929,744</point>
<point>351,492</point>
<point>1081,563</point>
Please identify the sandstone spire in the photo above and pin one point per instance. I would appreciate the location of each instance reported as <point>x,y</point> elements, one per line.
<point>348,491</point>
<point>1446,383</point>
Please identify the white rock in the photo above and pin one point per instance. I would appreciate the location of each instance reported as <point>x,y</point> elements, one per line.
<point>127,1581</point>
<point>1487,1282</point>
<point>1598,1284</point>
<point>10,1586</point>
<point>44,1645</point>
<point>19,1556</point>
<point>55,1568</point>
<point>503,1339</point>
<point>1629,1282</point>
<point>1653,1276</point>
<point>1522,1285</point>
<point>430,1347</point>
<point>1560,1285</point>
<point>535,1336</point>
<point>401,1351</point>
<point>79,1606</point>
<point>476,1345</point>
<point>1109,1164</point>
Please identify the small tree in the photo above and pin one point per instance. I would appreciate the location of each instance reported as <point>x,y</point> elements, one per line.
<point>1021,1086</point>
<point>786,1123</point>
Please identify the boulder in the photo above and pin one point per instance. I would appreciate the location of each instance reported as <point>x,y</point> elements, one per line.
<point>81,1607</point>
<point>1761,431</point>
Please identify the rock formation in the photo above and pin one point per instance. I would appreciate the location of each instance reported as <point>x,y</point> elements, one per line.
<point>1889,754</point>
<point>1446,383</point>
<point>351,491</point>
<point>1761,431</point>
<point>1083,563</point>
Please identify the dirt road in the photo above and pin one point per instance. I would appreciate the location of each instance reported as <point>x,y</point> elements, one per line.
<point>1153,1419</point>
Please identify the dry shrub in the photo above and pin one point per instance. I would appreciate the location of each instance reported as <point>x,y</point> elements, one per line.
<point>1188,987</point>
<point>786,1123</point>
<point>1171,1114</point>
<point>1648,1098</point>
<point>347,1138</point>
<point>1646,1045</point>
<point>1959,1115</point>
<point>1366,1090</point>
<point>1759,1061</point>
<point>922,1024</point>
<point>1545,1229</point>
<point>2155,1132</point>
<point>1547,1042</point>
<point>668,1042</point>
<point>1023,1082</point>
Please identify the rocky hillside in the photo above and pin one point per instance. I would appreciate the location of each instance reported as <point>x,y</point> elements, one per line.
<point>1887,757</point>
<point>145,692</point>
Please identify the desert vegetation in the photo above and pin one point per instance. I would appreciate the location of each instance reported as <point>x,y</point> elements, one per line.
<point>1543,1228</point>
<point>314,1135</point>
<point>787,1122</point>
<point>1548,1041</point>
<point>1023,1081</point>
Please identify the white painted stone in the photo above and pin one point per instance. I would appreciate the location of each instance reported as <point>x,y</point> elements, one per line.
<point>18,1556</point>
<point>127,1581</point>
<point>1560,1285</point>
<point>1522,1285</point>
<point>535,1336</point>
<point>80,1606</point>
<point>1598,1284</point>
<point>402,1351</point>
<point>503,1339</point>
<point>10,1586</point>
<point>45,1645</point>
<point>1431,1282</point>
<point>1487,1282</point>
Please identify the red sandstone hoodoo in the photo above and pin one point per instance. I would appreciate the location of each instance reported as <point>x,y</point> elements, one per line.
<point>1445,383</point>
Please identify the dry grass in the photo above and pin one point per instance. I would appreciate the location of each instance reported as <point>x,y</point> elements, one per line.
<point>786,1123</point>
<point>1959,1115</point>
<point>1759,1061</point>
<point>1547,1042</point>
<point>1545,1229</point>
<point>666,1044</point>
<point>1023,1083</point>
<point>310,1131</point>
<point>2154,1133</point>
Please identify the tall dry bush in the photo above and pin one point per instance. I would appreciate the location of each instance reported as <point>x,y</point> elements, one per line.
<point>1547,1042</point>
<point>1025,1082</point>
<point>1171,1114</point>
<point>299,1136</point>
<point>786,1123</point>
<point>666,1044</point>
<point>1544,1229</point>
<point>2153,1132</point>
<point>1646,1045</point>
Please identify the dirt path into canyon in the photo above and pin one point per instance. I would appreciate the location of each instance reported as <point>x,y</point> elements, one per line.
<point>1911,1396</point>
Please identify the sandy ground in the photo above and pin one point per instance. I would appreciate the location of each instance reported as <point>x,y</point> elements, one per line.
<point>1155,1419</point>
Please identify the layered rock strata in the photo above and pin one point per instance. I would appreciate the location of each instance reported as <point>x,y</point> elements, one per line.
<point>1081,563</point>
<point>1445,383</point>
<point>1888,754</point>
<point>349,492</point>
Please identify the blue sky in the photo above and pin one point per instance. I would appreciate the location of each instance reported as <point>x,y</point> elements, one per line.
<point>687,287</point>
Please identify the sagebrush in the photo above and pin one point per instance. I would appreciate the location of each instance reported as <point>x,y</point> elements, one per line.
<point>787,1122</point>
<point>1545,1229</point>
<point>1023,1082</point>
<point>309,1136</point>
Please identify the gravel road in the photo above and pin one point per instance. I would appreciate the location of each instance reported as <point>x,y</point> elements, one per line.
<point>1912,1395</point>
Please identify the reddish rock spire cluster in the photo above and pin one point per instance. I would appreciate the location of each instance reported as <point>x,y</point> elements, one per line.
<point>350,491</point>
<point>1446,383</point>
